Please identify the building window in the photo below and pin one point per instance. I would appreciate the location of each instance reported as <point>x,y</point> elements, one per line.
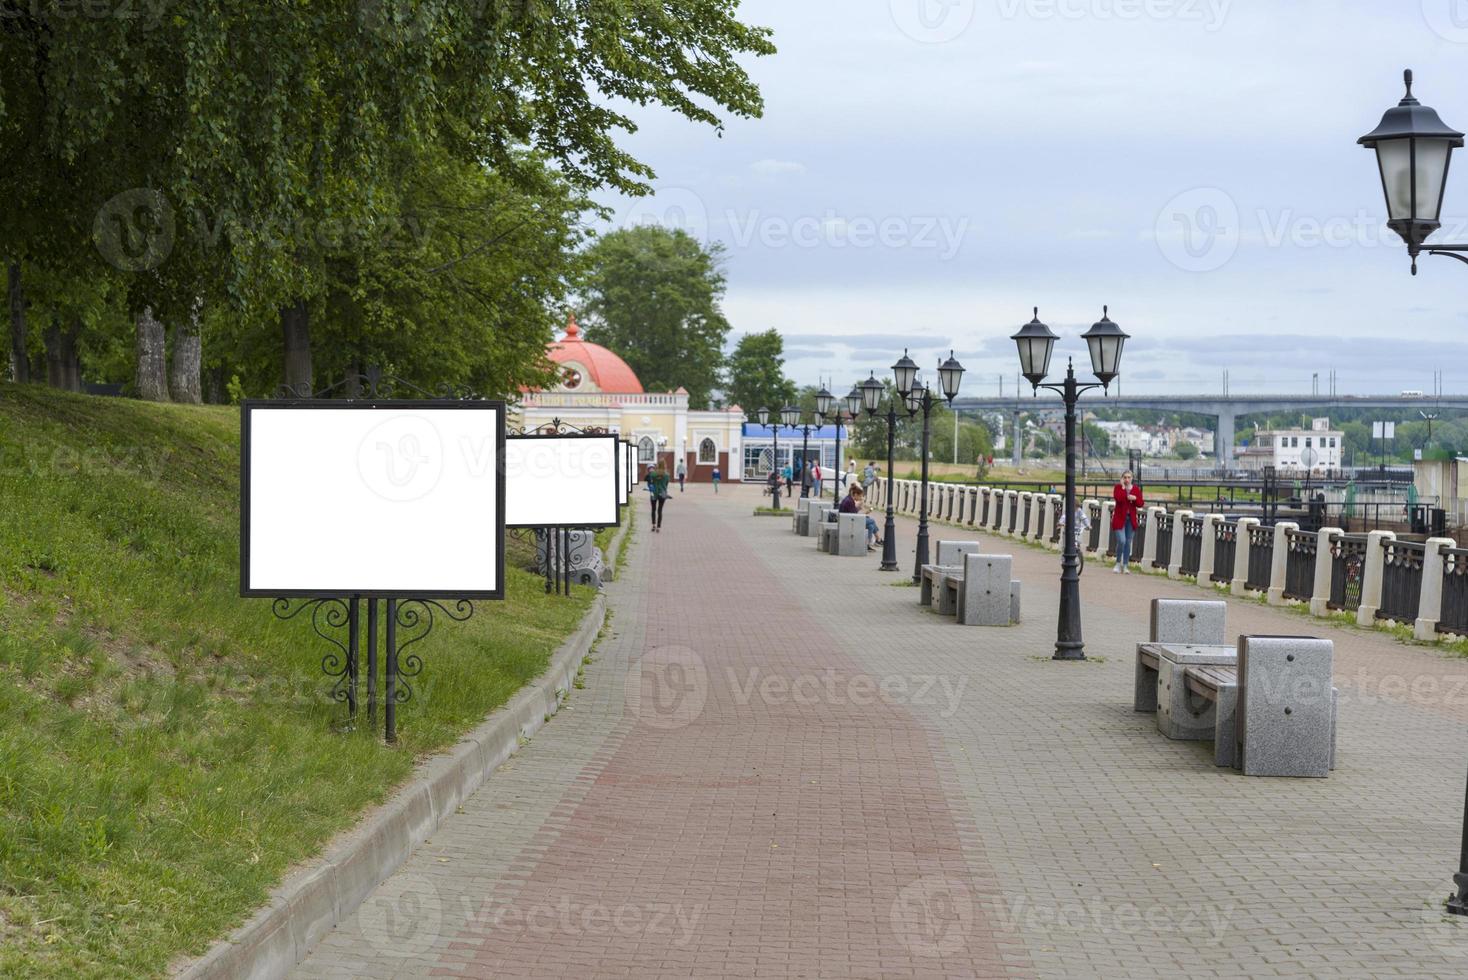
<point>708,453</point>
<point>1307,442</point>
<point>647,451</point>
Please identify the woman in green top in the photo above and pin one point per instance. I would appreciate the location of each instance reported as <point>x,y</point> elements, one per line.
<point>657,486</point>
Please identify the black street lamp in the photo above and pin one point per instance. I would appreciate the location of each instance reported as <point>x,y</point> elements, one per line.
<point>791,414</point>
<point>847,414</point>
<point>764,419</point>
<point>872,391</point>
<point>1036,342</point>
<point>920,399</point>
<point>1413,149</point>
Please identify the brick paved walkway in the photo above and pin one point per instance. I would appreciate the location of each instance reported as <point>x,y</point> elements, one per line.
<point>781,767</point>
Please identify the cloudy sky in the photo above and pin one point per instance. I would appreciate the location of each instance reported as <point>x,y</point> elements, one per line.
<point>928,170</point>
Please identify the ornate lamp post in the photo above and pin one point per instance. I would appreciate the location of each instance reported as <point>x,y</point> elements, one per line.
<point>871,394</point>
<point>920,399</point>
<point>764,419</point>
<point>791,415</point>
<point>849,413</point>
<point>1036,342</point>
<point>1413,149</point>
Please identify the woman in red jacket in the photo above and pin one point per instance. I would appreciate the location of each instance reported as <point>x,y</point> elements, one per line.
<point>1125,518</point>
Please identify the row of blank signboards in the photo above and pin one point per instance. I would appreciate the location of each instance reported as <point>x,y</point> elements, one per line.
<point>408,499</point>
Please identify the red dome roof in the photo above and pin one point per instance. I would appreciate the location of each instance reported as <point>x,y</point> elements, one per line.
<point>608,372</point>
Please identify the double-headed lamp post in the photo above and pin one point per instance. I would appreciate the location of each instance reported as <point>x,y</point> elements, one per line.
<point>919,398</point>
<point>1413,149</point>
<point>872,392</point>
<point>825,402</point>
<point>1036,342</point>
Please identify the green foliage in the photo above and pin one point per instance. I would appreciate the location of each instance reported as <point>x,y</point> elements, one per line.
<point>240,159</point>
<point>1185,450</point>
<point>652,295</point>
<point>170,750</point>
<point>756,373</point>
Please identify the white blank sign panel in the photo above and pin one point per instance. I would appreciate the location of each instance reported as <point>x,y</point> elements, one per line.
<point>562,481</point>
<point>631,467</point>
<point>396,499</point>
<point>624,483</point>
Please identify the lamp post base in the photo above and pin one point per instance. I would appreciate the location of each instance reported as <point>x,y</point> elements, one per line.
<point>1458,904</point>
<point>1070,651</point>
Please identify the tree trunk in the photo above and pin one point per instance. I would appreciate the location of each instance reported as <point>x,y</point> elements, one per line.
<point>188,356</point>
<point>20,365</point>
<point>63,366</point>
<point>353,386</point>
<point>295,327</point>
<point>214,388</point>
<point>152,358</point>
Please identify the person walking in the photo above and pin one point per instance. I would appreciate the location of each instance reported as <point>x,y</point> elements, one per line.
<point>1126,517</point>
<point>682,474</point>
<point>868,476</point>
<point>787,474</point>
<point>815,479</point>
<point>657,485</point>
<point>1082,524</point>
<point>717,476</point>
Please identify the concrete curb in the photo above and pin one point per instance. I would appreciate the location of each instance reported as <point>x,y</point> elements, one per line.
<point>313,901</point>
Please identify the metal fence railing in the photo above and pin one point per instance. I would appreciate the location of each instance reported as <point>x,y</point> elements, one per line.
<point>1401,580</point>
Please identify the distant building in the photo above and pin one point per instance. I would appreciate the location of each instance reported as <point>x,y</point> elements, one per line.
<point>759,449</point>
<point>598,389</point>
<point>1316,449</point>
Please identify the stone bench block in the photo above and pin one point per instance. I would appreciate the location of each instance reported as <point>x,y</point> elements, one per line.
<point>851,536</point>
<point>1285,715</point>
<point>816,516</point>
<point>1014,602</point>
<point>950,584</point>
<point>1180,715</point>
<point>929,580</point>
<point>986,596</point>
<point>1199,622</point>
<point>950,553</point>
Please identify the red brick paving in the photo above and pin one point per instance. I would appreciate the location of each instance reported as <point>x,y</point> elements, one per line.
<point>767,833</point>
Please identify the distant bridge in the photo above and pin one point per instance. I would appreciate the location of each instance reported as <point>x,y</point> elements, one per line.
<point>1225,408</point>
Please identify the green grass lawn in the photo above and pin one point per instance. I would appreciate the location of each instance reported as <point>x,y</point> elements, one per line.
<point>168,751</point>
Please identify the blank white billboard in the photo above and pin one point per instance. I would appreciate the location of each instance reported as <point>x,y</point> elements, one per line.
<point>631,468</point>
<point>563,480</point>
<point>390,499</point>
<point>624,471</point>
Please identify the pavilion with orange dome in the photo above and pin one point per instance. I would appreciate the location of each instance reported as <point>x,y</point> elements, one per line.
<point>598,388</point>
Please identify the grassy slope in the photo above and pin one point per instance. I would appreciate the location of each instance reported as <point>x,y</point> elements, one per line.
<point>167,749</point>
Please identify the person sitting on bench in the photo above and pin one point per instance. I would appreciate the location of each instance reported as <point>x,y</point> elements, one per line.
<point>851,504</point>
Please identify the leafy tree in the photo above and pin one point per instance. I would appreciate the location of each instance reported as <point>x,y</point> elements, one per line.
<point>652,295</point>
<point>756,373</point>
<point>221,146</point>
<point>1186,450</point>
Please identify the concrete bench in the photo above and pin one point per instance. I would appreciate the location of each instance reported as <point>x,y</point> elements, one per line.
<point>815,516</point>
<point>850,538</point>
<point>1184,622</point>
<point>1275,713</point>
<point>929,579</point>
<point>952,552</point>
<point>800,516</point>
<point>983,594</point>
